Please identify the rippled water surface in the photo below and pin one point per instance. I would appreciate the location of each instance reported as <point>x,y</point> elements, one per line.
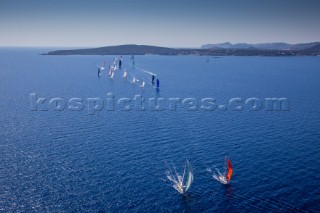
<point>73,161</point>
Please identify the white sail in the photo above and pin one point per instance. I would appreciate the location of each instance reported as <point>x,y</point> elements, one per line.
<point>190,176</point>
<point>143,83</point>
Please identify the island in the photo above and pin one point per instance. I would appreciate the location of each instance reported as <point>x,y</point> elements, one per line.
<point>205,50</point>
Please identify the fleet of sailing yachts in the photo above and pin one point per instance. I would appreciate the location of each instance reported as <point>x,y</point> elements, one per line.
<point>181,183</point>
<point>117,65</point>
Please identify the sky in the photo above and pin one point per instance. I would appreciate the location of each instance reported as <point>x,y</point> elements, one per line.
<point>169,23</point>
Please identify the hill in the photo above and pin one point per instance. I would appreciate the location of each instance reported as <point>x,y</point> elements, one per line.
<point>129,49</point>
<point>265,46</point>
<point>223,50</point>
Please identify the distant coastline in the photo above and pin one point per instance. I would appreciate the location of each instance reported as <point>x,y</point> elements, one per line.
<point>225,49</point>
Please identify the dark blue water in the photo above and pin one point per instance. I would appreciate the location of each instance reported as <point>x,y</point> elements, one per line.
<point>115,161</point>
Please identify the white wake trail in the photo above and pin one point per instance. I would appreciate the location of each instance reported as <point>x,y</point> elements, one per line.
<point>218,176</point>
<point>146,71</point>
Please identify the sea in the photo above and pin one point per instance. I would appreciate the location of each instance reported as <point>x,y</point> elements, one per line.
<point>73,141</point>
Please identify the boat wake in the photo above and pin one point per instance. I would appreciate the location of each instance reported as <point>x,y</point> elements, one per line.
<point>177,181</point>
<point>218,176</point>
<point>146,71</point>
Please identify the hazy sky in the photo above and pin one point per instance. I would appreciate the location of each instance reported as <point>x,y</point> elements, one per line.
<point>172,23</point>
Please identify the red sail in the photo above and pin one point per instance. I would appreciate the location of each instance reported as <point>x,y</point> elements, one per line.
<point>230,170</point>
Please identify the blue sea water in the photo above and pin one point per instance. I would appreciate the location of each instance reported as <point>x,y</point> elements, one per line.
<point>116,161</point>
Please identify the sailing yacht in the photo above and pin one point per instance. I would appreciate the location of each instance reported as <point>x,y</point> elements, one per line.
<point>225,178</point>
<point>182,183</point>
